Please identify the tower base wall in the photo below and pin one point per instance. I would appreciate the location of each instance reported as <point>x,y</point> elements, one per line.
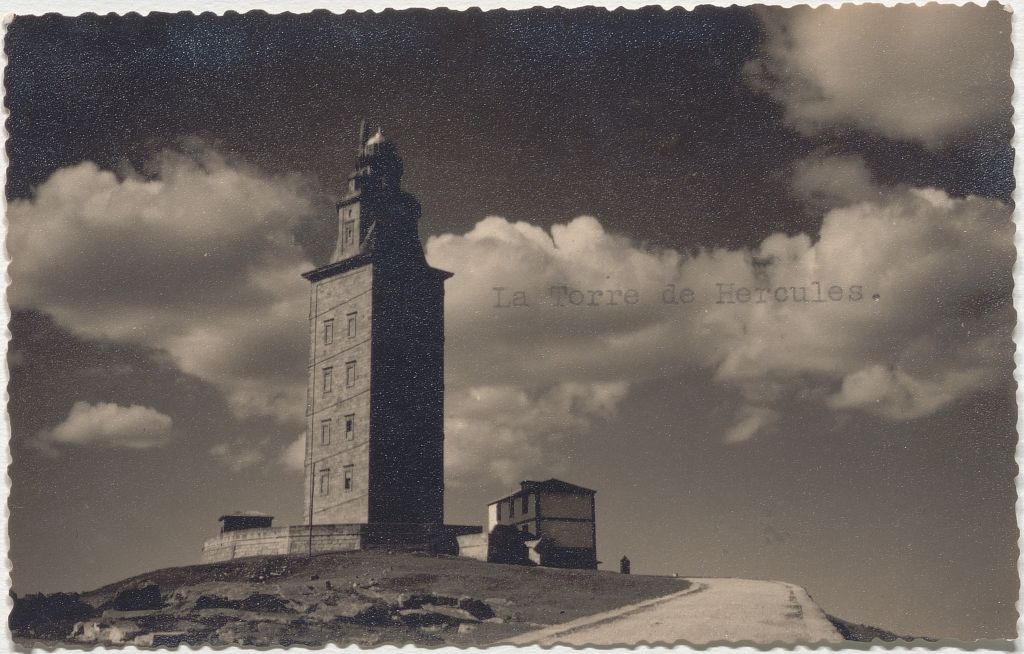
<point>320,539</point>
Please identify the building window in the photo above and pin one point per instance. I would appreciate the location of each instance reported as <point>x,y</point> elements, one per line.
<point>350,426</point>
<point>352,325</point>
<point>328,379</point>
<point>328,331</point>
<point>325,432</point>
<point>512,507</point>
<point>497,515</point>
<point>350,373</point>
<point>526,505</point>
<point>325,481</point>
<point>349,231</point>
<point>348,478</point>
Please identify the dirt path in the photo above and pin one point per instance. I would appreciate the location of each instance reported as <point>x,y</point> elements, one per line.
<point>712,610</point>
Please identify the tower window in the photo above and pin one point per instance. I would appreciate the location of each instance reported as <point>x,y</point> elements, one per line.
<point>325,481</point>
<point>350,426</point>
<point>350,373</point>
<point>349,482</point>
<point>328,379</point>
<point>325,432</point>
<point>526,505</point>
<point>328,331</point>
<point>352,324</point>
<point>349,231</point>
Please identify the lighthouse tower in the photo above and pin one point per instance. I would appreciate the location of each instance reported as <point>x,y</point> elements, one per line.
<point>375,395</point>
<point>375,390</point>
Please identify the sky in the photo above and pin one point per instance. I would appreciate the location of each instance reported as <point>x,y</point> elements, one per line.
<point>172,175</point>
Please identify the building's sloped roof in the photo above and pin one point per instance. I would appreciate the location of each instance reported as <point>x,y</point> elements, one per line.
<point>556,485</point>
<point>550,485</point>
<point>245,514</point>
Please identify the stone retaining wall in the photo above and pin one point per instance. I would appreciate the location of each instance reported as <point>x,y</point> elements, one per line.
<point>331,538</point>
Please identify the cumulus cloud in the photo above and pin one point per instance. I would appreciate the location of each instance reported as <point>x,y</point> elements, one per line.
<point>294,456</point>
<point>238,456</point>
<point>197,259</point>
<point>928,74</point>
<point>109,425</point>
<point>508,432</point>
<point>921,316</point>
<point>826,182</point>
<point>750,420</point>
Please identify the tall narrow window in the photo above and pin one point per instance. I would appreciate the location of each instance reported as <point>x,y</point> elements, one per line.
<point>328,379</point>
<point>526,504</point>
<point>350,373</point>
<point>497,512</point>
<point>349,231</point>
<point>325,432</point>
<point>350,426</point>
<point>512,507</point>
<point>349,481</point>
<point>328,331</point>
<point>325,481</point>
<point>352,325</point>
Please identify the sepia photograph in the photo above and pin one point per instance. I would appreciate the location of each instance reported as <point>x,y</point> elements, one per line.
<point>551,326</point>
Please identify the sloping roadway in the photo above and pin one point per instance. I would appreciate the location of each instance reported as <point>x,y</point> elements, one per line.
<point>709,611</point>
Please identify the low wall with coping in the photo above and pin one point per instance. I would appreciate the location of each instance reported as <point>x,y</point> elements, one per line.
<point>300,539</point>
<point>473,546</point>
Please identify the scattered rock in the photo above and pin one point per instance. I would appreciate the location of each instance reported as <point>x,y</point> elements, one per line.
<point>347,607</point>
<point>476,608</point>
<point>498,601</point>
<point>173,638</point>
<point>103,632</point>
<point>50,617</point>
<point>142,598</point>
<point>423,618</point>
<point>216,602</point>
<point>263,603</point>
<point>376,614</point>
<point>418,601</point>
<point>267,569</point>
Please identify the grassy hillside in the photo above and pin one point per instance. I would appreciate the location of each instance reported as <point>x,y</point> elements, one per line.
<point>365,598</point>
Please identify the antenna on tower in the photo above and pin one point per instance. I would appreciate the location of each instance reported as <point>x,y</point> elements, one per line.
<point>364,132</point>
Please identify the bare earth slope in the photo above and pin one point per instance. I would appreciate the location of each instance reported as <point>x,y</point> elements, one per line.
<point>365,598</point>
<point>373,597</point>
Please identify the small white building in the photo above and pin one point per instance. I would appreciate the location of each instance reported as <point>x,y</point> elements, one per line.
<point>557,521</point>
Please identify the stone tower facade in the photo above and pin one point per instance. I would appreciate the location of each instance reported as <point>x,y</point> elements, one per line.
<point>375,394</point>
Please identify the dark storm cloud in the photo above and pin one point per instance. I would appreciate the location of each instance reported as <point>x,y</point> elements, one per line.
<point>641,118</point>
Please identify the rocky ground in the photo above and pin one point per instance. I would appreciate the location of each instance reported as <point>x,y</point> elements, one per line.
<point>363,598</point>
